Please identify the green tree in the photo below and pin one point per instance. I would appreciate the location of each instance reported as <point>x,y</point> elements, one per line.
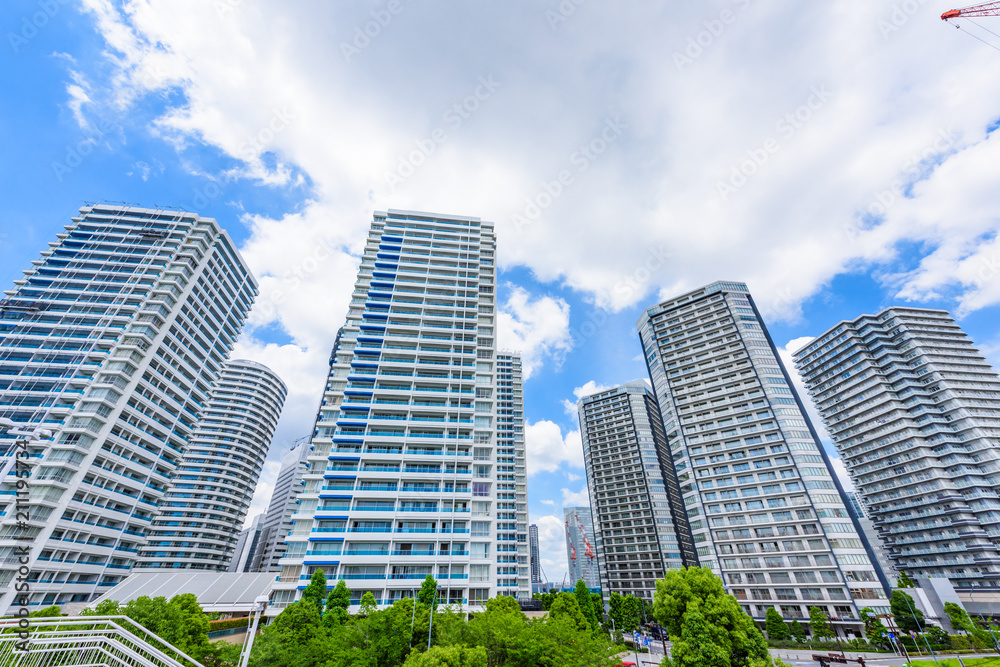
<point>448,656</point>
<point>586,603</point>
<point>506,634</point>
<point>873,627</point>
<point>546,599</point>
<point>428,591</point>
<point>624,612</point>
<point>104,608</point>
<point>905,612</point>
<point>904,581</point>
<point>959,618</point>
<point>315,592</point>
<point>708,628</point>
<point>567,606</point>
<point>797,631</point>
<point>295,638</point>
<point>775,625</point>
<point>819,623</point>
<point>48,612</point>
<point>337,604</point>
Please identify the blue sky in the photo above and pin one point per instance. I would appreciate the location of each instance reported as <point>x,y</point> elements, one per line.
<point>838,158</point>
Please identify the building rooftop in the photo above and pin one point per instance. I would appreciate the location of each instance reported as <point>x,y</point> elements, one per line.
<point>216,591</point>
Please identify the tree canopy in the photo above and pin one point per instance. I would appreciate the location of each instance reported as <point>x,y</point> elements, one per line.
<point>775,625</point>
<point>819,623</point>
<point>708,627</point>
<point>905,612</point>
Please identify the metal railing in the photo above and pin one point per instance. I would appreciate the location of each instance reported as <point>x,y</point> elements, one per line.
<point>108,641</point>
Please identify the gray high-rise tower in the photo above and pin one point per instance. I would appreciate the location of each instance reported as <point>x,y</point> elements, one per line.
<point>767,513</point>
<point>914,410</point>
<point>112,340</point>
<point>640,529</point>
<point>277,522</point>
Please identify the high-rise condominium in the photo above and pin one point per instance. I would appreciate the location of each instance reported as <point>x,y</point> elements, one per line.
<point>640,529</point>
<point>534,555</point>
<point>580,547</point>
<point>247,545</point>
<point>112,340</point>
<point>277,523</point>
<point>513,567</point>
<point>882,560</point>
<point>914,410</point>
<point>766,511</point>
<point>402,480</point>
<point>208,498</point>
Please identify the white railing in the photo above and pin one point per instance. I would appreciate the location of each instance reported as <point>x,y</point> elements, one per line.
<point>86,641</point>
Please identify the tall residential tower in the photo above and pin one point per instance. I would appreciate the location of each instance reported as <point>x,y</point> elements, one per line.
<point>513,566</point>
<point>580,550</point>
<point>914,410</point>
<point>403,479</point>
<point>640,528</point>
<point>112,340</point>
<point>206,504</point>
<point>766,511</point>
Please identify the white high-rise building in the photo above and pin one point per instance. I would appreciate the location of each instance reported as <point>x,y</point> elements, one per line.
<point>534,555</point>
<point>640,529</point>
<point>581,549</point>
<point>112,340</point>
<point>402,481</point>
<point>277,523</point>
<point>914,410</point>
<point>206,504</point>
<point>513,558</point>
<point>766,511</point>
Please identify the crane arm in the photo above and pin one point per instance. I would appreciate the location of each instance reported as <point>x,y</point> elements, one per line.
<point>985,9</point>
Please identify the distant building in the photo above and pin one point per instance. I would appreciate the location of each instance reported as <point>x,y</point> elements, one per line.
<point>247,545</point>
<point>536,565</point>
<point>278,522</point>
<point>581,551</point>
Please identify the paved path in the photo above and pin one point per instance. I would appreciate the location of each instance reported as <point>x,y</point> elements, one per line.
<point>804,658</point>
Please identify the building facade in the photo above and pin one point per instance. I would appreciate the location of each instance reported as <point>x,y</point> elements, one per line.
<point>402,480</point>
<point>277,522</point>
<point>882,560</point>
<point>914,410</point>
<point>246,545</point>
<point>766,511</point>
<point>197,526</point>
<point>581,552</point>
<point>112,340</point>
<point>534,555</point>
<point>513,570</point>
<point>640,529</point>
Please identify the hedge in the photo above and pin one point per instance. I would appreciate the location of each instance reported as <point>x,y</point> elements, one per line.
<point>228,624</point>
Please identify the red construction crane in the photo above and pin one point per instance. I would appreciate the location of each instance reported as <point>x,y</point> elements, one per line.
<point>985,9</point>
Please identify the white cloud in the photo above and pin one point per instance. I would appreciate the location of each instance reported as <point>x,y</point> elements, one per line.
<point>552,546</point>
<point>547,448</point>
<point>549,502</point>
<point>573,478</point>
<point>576,498</point>
<point>588,389</point>
<point>841,470</point>
<point>538,328</point>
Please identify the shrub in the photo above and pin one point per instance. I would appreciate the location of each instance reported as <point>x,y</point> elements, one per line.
<point>959,642</point>
<point>228,624</point>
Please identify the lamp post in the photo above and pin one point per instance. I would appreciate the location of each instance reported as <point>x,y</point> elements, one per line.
<point>926,643</point>
<point>259,605</point>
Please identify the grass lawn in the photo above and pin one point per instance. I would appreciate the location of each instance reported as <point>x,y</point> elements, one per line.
<point>952,662</point>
